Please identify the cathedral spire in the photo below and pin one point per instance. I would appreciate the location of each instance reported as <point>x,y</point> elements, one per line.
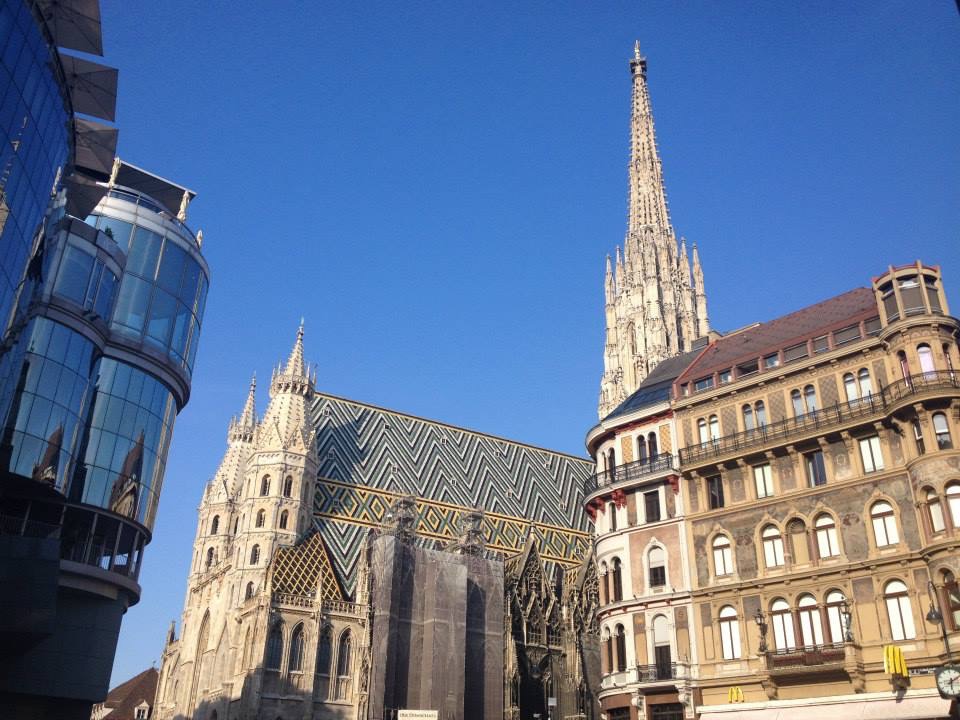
<point>295,365</point>
<point>248,418</point>
<point>654,306</point>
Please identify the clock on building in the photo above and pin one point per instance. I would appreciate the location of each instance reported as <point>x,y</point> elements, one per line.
<point>948,681</point>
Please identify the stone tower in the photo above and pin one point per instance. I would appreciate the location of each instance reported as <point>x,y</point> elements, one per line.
<point>654,308</point>
<point>259,501</point>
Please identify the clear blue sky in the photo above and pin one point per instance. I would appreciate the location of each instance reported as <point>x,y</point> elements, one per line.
<point>434,186</point>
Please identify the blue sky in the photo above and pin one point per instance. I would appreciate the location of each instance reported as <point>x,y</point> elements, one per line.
<point>434,187</point>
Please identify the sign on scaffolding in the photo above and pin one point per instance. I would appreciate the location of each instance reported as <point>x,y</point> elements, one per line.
<point>418,715</point>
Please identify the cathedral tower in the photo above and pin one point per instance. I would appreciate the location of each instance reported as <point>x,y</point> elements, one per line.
<point>654,309</point>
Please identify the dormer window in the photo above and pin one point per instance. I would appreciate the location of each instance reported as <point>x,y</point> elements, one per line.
<point>703,384</point>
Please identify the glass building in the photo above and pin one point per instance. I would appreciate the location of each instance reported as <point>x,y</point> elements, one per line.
<point>102,292</point>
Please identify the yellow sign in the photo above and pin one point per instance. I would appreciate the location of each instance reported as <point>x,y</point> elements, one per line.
<point>893,662</point>
<point>734,695</point>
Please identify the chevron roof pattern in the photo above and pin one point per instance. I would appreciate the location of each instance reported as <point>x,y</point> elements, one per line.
<point>370,455</point>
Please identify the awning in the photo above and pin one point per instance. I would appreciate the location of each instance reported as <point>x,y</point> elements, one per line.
<point>83,194</point>
<point>832,708</point>
<point>167,193</point>
<point>74,24</point>
<point>96,145</point>
<point>93,87</point>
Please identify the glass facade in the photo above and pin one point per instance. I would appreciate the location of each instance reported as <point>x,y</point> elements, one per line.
<point>34,139</point>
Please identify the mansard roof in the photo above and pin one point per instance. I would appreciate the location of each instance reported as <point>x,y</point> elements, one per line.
<point>764,338</point>
<point>656,387</point>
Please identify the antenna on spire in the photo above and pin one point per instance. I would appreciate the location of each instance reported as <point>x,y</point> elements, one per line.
<point>636,50</point>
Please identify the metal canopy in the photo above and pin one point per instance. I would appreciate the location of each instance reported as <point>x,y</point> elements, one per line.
<point>167,193</point>
<point>74,24</point>
<point>93,87</point>
<point>96,145</point>
<point>83,194</point>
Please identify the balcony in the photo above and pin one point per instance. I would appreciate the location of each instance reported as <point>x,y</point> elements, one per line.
<point>658,673</point>
<point>665,673</point>
<point>629,472</point>
<point>822,420</point>
<point>807,659</point>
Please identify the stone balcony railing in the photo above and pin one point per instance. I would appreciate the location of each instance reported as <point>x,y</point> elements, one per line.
<point>661,673</point>
<point>819,421</point>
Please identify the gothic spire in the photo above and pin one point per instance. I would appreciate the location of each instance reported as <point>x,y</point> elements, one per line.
<point>648,200</point>
<point>295,365</point>
<point>248,418</point>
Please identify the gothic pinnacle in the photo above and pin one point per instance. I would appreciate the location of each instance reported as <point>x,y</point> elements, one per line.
<point>295,365</point>
<point>248,418</point>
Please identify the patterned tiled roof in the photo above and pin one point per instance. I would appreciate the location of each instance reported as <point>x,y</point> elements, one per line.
<point>768,337</point>
<point>305,569</point>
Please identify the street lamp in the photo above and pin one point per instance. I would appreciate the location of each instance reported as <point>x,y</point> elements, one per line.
<point>761,623</point>
<point>846,618</point>
<point>936,617</point>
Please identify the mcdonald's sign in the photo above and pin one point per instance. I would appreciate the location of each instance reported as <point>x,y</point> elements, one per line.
<point>893,662</point>
<point>734,695</point>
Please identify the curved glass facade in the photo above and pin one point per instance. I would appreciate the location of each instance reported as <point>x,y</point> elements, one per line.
<point>34,139</point>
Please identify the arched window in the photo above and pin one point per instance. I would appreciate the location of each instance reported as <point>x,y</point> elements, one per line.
<point>714,427</point>
<point>796,399</point>
<point>324,651</point>
<point>850,387</point>
<point>951,599</point>
<point>616,580</point>
<point>602,589</point>
<point>288,486</point>
<point>884,524</point>
<point>534,626</point>
<point>899,611</point>
<point>866,385</point>
<point>296,649</point>
<point>236,524</point>
<point>942,431</point>
<point>918,436</point>
<point>953,503</point>
<point>904,365</point>
<point>760,410</point>
<point>652,445</point>
<point>702,431</point>
<point>658,570</point>
<point>612,516</point>
<point>641,448</point>
<point>215,525</point>
<point>606,659</point>
<point>810,398</point>
<point>261,518</point>
<point>211,555</point>
<point>782,620</point>
<point>935,511</point>
<point>772,546</point>
<point>729,633</point>
<point>254,554</point>
<point>275,647</point>
<point>827,543</point>
<point>662,655</point>
<point>265,485</point>
<point>748,423</point>
<point>249,591</point>
<point>722,558</point>
<point>835,601</point>
<point>811,629</point>
<point>343,666</point>
<point>283,519</point>
<point>621,642</point>
<point>925,355</point>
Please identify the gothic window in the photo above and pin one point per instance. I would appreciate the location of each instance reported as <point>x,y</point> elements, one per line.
<point>616,581</point>
<point>811,628</point>
<point>275,647</point>
<point>722,558</point>
<point>782,621</point>
<point>283,520</point>
<point>925,354</point>
<point>288,486</point>
<point>763,480</point>
<point>621,642</point>
<point>652,445</point>
<point>870,454</point>
<point>729,633</point>
<point>748,423</point>
<point>265,485</point>
<point>835,601</point>
<point>534,626</point>
<point>934,511</point>
<point>296,649</point>
<point>827,543</point>
<point>899,611</point>
<point>942,431</point>
<point>211,555</point>
<point>658,570</point>
<point>343,666</point>
<point>324,651</point>
<point>772,546</point>
<point>261,518</point>
<point>884,524</point>
<point>255,555</point>
<point>215,525</point>
<point>953,503</point>
<point>249,591</point>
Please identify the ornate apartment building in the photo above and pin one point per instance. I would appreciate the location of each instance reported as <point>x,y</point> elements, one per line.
<point>816,505</point>
<point>654,309</point>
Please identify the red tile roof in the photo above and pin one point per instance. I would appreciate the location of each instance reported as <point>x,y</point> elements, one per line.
<point>766,338</point>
